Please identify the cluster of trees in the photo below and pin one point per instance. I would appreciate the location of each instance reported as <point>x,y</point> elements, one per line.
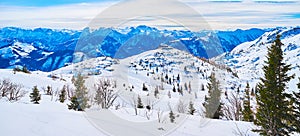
<point>104,97</point>
<point>79,98</point>
<point>23,69</point>
<point>277,111</point>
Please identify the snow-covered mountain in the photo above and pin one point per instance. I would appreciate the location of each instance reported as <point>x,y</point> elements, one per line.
<point>53,49</point>
<point>247,59</point>
<point>158,68</point>
<point>153,68</point>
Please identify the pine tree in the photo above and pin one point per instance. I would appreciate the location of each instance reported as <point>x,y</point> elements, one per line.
<point>174,89</point>
<point>35,96</point>
<point>172,116</point>
<point>190,87</point>
<point>180,91</point>
<point>156,92</point>
<point>62,95</point>
<point>185,86</point>
<point>273,105</point>
<point>74,104</point>
<point>25,70</point>
<point>202,87</point>
<point>49,90</point>
<point>144,87</point>
<point>247,112</point>
<point>178,78</point>
<point>252,92</point>
<point>296,110</point>
<point>213,104</point>
<point>169,94</point>
<point>80,93</point>
<point>139,103</point>
<point>191,108</point>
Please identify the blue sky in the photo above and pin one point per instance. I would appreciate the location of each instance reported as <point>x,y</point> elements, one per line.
<point>41,3</point>
<point>77,14</point>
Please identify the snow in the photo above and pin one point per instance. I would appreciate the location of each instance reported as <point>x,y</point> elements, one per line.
<point>251,56</point>
<point>51,117</point>
<point>46,119</point>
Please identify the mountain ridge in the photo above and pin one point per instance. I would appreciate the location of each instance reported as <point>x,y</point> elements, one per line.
<point>52,45</point>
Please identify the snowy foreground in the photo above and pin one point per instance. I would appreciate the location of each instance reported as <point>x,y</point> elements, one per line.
<point>51,117</point>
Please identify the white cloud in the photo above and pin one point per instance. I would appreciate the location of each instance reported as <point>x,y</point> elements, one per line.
<point>246,14</point>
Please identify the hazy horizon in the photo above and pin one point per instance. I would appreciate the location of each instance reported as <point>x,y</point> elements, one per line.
<point>219,14</point>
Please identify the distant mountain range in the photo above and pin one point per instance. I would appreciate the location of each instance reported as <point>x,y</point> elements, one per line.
<point>47,49</point>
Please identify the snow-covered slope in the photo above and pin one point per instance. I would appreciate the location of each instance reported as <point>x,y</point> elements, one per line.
<point>247,59</point>
<point>154,68</point>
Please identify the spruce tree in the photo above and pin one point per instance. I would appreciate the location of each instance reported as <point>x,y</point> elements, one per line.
<point>144,87</point>
<point>156,92</point>
<point>74,104</point>
<point>202,87</point>
<point>35,96</point>
<point>247,112</point>
<point>49,90</point>
<point>213,104</point>
<point>139,103</point>
<point>80,93</point>
<point>296,110</point>
<point>62,95</point>
<point>273,105</point>
<point>172,116</point>
<point>191,108</point>
<point>174,89</point>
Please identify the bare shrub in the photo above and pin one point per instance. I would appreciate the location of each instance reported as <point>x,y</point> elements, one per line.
<point>105,94</point>
<point>5,86</point>
<point>12,91</point>
<point>233,109</point>
<point>181,107</point>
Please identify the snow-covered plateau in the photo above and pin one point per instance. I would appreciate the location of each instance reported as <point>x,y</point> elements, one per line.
<point>173,78</point>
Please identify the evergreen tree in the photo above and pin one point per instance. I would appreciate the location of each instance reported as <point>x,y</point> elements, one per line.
<point>252,92</point>
<point>49,90</point>
<point>174,89</point>
<point>144,87</point>
<point>247,112</point>
<point>35,96</point>
<point>296,110</point>
<point>213,103</point>
<point>169,94</point>
<point>180,91</point>
<point>185,86</point>
<point>25,70</point>
<point>202,87</point>
<point>156,92</point>
<point>74,104</point>
<point>190,87</point>
<point>191,108</point>
<point>62,95</point>
<point>273,105</point>
<point>178,78</point>
<point>80,93</point>
<point>139,103</point>
<point>172,116</point>
<point>166,77</point>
